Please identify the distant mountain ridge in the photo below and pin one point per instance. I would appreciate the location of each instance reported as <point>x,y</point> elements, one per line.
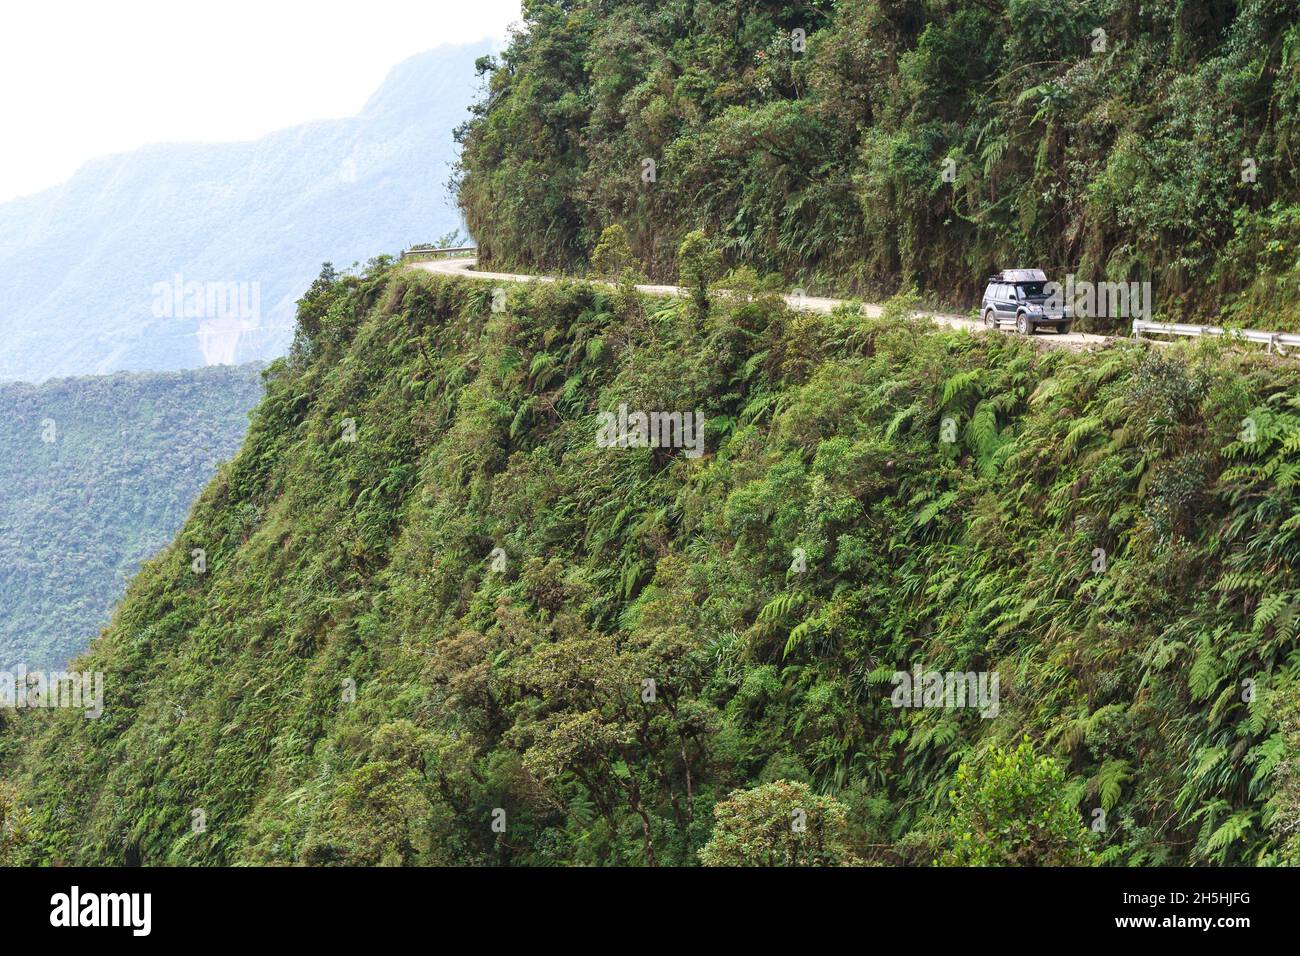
<point>80,263</point>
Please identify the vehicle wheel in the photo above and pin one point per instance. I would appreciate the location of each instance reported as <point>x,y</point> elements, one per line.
<point>989,319</point>
<point>1065,328</point>
<point>1023,325</point>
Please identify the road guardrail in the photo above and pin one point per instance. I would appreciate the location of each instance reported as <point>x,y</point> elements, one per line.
<point>417,253</point>
<point>1276,341</point>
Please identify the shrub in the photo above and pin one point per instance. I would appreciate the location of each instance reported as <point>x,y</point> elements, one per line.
<point>782,823</point>
<point>1010,809</point>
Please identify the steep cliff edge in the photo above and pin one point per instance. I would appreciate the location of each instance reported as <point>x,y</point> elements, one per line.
<point>450,612</point>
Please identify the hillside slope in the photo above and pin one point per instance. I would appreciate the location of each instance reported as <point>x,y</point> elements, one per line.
<point>441,622</point>
<point>96,475</point>
<point>79,263</point>
<point>864,145</point>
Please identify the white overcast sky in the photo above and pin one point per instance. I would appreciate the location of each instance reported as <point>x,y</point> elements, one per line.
<point>82,78</point>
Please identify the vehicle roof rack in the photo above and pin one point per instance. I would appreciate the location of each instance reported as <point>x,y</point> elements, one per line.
<point>1019,275</point>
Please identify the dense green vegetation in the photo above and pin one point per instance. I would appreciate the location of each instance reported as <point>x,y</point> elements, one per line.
<point>96,475</point>
<point>442,619</point>
<point>821,156</point>
<point>440,624</point>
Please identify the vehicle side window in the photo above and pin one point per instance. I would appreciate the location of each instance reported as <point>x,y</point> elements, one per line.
<point>1003,292</point>
<point>991,292</point>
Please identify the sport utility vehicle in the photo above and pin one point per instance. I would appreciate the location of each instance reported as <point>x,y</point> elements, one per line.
<point>1020,296</point>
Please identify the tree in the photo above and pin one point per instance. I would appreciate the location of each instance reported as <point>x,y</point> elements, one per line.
<point>1010,809</point>
<point>698,264</point>
<point>451,239</point>
<point>623,721</point>
<point>782,823</point>
<point>379,814</point>
<point>612,254</point>
<point>316,300</point>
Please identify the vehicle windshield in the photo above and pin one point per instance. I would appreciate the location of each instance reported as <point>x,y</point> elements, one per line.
<point>1030,290</point>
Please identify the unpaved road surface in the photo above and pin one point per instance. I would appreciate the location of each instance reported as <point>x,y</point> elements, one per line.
<point>1075,341</point>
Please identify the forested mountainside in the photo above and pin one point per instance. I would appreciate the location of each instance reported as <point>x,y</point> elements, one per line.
<point>1121,140</point>
<point>96,475</point>
<point>95,271</point>
<point>444,619</point>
